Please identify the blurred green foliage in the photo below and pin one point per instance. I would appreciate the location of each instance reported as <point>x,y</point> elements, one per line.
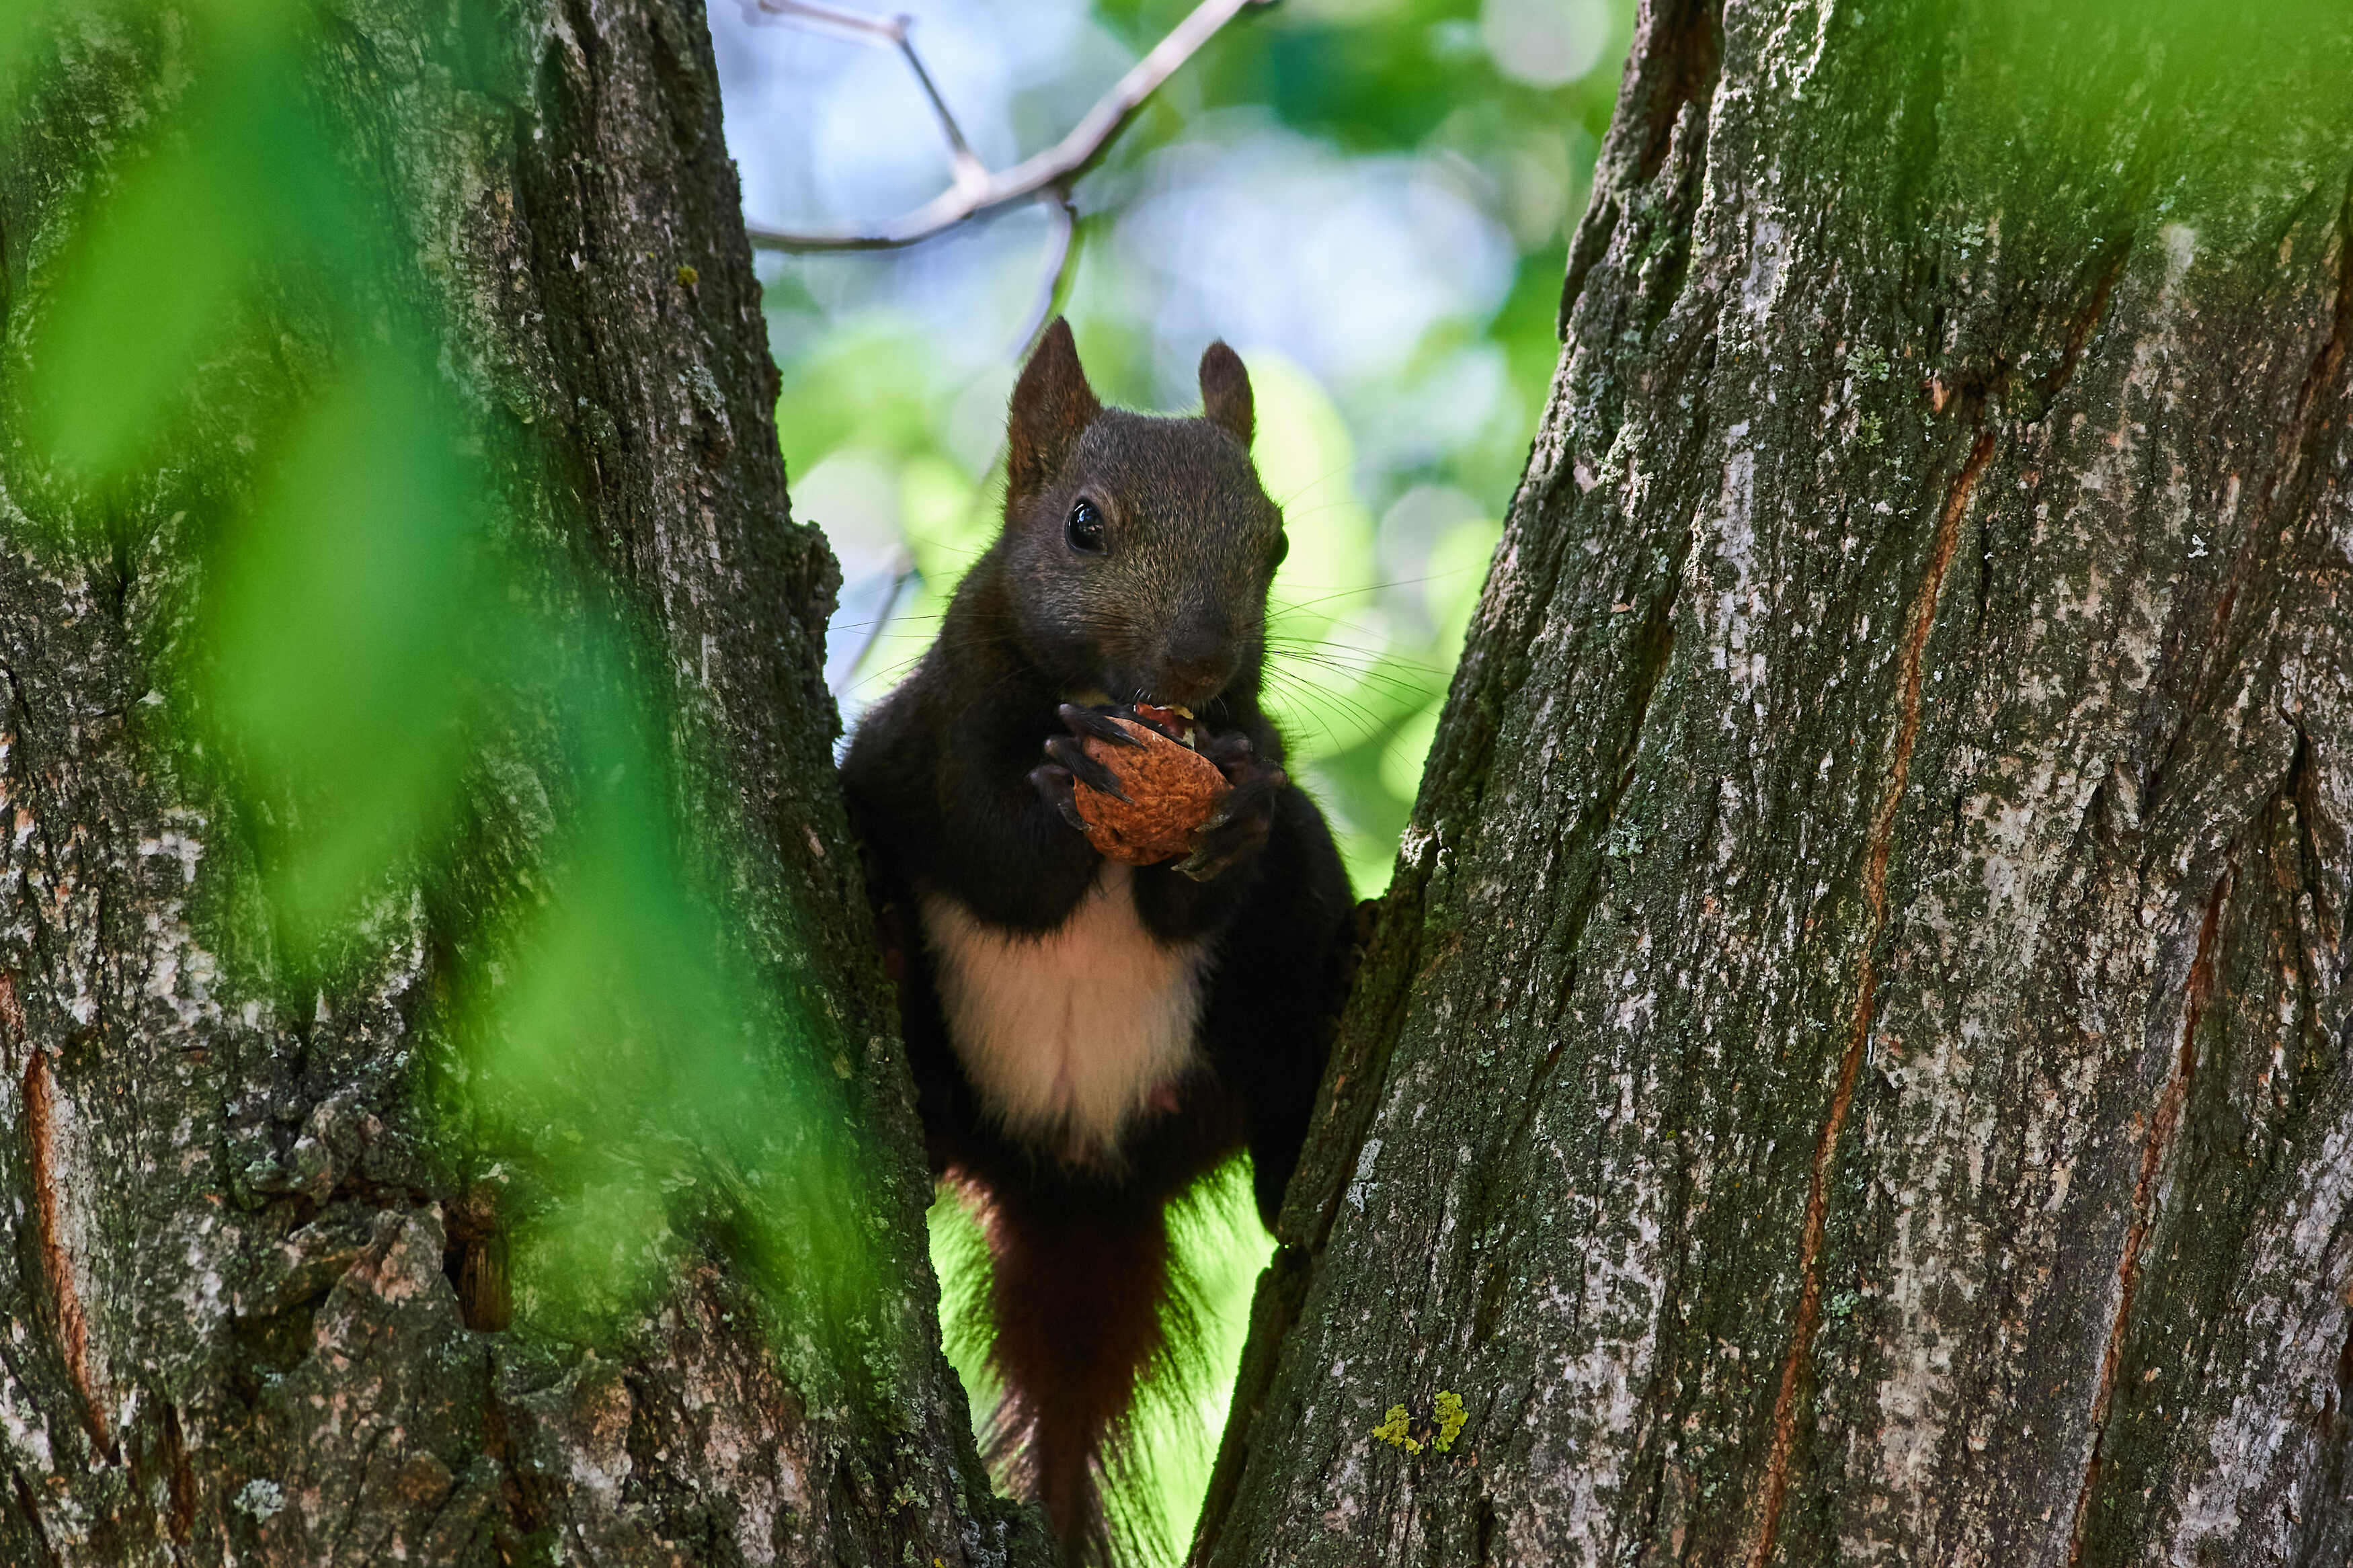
<point>1158,1478</point>
<point>623,1046</point>
<point>427,728</point>
<point>2087,116</point>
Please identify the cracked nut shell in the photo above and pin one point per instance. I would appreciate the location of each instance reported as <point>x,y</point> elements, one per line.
<point>1172,789</point>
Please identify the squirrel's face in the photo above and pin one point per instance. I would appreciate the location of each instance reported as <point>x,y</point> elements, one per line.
<point>1137,550</point>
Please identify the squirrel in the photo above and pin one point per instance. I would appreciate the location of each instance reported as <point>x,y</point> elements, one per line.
<point>1089,1039</point>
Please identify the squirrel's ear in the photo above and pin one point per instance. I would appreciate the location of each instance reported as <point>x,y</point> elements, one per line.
<point>1052,404</point>
<point>1225,391</point>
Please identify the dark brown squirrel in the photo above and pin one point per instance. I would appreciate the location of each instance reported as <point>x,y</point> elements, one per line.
<point>1089,1039</point>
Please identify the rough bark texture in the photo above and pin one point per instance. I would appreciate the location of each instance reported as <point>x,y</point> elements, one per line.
<point>232,1330</point>
<point>1853,1067</point>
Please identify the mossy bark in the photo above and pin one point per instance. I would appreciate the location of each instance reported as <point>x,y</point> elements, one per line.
<point>253,1315</point>
<point>1854,1067</point>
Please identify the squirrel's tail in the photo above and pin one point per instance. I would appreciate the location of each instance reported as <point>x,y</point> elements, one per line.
<point>1076,1304</point>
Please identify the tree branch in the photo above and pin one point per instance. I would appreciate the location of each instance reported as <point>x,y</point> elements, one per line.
<point>1061,253</point>
<point>976,189</point>
<point>897,32</point>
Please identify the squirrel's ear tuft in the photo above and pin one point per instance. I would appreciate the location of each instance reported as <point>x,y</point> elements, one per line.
<point>1052,404</point>
<point>1225,391</point>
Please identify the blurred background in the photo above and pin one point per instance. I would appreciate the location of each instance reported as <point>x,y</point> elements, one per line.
<point>1371,199</point>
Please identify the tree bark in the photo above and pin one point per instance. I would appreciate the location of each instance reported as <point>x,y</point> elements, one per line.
<point>233,1332</point>
<point>1853,1065</point>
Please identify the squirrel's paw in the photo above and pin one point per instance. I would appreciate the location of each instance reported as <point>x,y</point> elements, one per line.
<point>1069,753</point>
<point>1238,828</point>
<point>1232,751</point>
<point>1054,781</point>
<point>1098,723</point>
<point>1068,765</point>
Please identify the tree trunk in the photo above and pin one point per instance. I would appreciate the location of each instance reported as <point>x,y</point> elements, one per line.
<point>232,1330</point>
<point>1853,1065</point>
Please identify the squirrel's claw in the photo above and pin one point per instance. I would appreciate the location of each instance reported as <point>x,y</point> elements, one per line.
<point>1252,795</point>
<point>1239,827</point>
<point>1102,726</point>
<point>1066,751</point>
<point>1055,784</point>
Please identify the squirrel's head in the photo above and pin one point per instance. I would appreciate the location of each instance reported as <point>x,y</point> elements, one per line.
<point>1137,551</point>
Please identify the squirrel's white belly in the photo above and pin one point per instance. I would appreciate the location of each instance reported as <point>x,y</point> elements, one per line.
<point>1069,1034</point>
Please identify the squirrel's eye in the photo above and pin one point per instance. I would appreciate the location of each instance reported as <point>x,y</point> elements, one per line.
<point>1282,550</point>
<point>1085,529</point>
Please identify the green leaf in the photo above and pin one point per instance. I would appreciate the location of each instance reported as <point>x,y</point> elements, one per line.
<point>625,1047</point>
<point>351,612</point>
<point>168,253</point>
<point>20,25</point>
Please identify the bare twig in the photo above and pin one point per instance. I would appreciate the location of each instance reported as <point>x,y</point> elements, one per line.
<point>889,29</point>
<point>1062,254</point>
<point>899,33</point>
<point>976,189</point>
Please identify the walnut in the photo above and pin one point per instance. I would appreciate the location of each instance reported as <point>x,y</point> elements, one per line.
<point>1173,789</point>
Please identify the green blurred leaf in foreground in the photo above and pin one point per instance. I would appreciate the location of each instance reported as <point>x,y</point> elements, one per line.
<point>429,728</point>
<point>350,604</point>
<point>170,255</point>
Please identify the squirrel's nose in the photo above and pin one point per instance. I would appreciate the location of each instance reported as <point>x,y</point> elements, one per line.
<point>1197,668</point>
<point>1193,683</point>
